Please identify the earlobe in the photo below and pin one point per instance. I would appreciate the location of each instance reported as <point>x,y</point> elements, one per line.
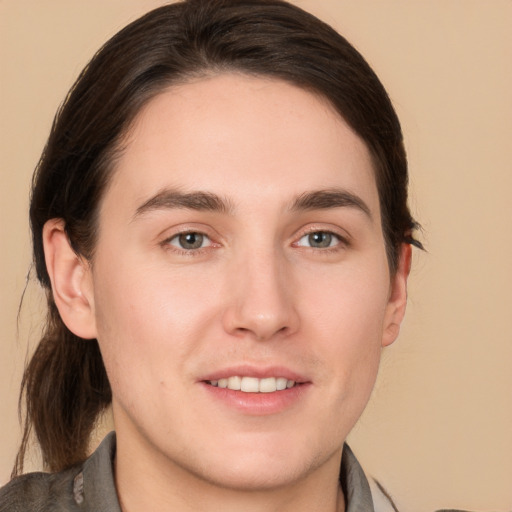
<point>397,303</point>
<point>71,281</point>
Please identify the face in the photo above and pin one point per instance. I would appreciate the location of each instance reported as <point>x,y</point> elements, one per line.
<point>240,245</point>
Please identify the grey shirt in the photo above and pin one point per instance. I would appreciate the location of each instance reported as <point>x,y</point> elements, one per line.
<point>89,487</point>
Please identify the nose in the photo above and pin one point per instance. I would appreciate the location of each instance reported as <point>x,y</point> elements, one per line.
<point>260,298</point>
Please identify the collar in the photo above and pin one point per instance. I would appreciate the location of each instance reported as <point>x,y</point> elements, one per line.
<point>358,497</point>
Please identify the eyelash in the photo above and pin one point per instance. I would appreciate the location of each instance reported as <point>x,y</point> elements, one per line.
<point>168,243</point>
<point>340,242</point>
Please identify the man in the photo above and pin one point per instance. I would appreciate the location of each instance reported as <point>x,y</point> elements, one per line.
<point>221,217</point>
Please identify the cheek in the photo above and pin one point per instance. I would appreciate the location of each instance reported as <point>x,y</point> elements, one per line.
<point>151,316</point>
<point>143,317</point>
<point>348,303</point>
<point>346,312</point>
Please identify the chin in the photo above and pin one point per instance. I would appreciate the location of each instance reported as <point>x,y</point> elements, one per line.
<point>262,468</point>
<point>262,475</point>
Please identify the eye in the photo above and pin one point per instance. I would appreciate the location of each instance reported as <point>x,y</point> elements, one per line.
<point>190,241</point>
<point>319,240</point>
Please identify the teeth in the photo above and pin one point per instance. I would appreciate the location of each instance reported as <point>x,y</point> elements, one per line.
<point>281,383</point>
<point>250,385</point>
<point>268,385</point>
<point>253,384</point>
<point>234,383</point>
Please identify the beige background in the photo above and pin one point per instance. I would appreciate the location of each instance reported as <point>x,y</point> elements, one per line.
<point>438,431</point>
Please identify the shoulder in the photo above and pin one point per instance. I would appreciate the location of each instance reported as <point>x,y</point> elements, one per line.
<point>40,492</point>
<point>86,487</point>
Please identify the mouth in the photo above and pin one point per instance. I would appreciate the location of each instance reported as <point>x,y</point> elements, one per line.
<point>253,384</point>
<point>257,391</point>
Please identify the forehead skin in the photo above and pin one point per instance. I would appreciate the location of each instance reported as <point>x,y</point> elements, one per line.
<point>258,164</point>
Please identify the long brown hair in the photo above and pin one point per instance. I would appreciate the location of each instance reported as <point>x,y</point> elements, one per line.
<point>65,386</point>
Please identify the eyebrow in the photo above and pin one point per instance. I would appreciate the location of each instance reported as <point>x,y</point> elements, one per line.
<point>330,198</point>
<point>207,201</point>
<point>171,199</point>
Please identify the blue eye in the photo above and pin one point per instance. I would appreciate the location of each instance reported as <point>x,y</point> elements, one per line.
<point>319,240</point>
<point>190,241</point>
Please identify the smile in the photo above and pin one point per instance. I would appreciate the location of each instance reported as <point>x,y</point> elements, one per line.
<point>253,384</point>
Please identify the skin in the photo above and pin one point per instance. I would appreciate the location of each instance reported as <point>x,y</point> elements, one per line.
<point>258,292</point>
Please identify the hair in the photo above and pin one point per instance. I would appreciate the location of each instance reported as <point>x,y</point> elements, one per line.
<point>65,386</point>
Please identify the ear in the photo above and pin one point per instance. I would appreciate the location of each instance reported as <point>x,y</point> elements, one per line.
<point>71,280</point>
<point>397,303</point>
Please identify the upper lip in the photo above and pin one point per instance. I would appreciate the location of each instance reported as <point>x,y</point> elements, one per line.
<point>260,372</point>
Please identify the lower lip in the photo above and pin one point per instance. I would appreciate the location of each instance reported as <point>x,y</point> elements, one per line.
<point>258,404</point>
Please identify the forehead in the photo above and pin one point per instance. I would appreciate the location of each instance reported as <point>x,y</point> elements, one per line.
<point>242,136</point>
